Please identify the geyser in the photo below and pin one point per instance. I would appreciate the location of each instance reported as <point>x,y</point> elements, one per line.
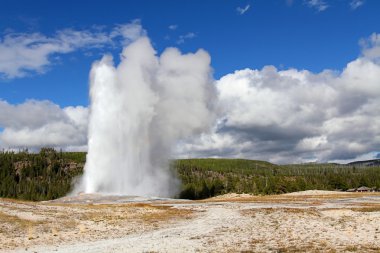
<point>138,111</point>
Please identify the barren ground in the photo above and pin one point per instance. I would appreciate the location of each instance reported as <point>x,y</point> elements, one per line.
<point>312,221</point>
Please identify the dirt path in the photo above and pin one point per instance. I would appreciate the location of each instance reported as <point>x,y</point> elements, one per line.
<point>195,235</point>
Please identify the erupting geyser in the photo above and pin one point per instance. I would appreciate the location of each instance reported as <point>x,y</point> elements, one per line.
<point>139,110</point>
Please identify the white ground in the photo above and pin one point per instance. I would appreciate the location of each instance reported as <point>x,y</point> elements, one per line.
<point>303,222</point>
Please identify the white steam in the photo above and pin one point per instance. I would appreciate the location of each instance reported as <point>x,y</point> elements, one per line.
<point>139,109</point>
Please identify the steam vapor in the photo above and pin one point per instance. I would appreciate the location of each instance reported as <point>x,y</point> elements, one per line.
<point>139,110</point>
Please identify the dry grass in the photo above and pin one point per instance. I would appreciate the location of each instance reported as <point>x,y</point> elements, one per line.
<point>362,248</point>
<point>359,207</point>
<point>366,209</point>
<point>65,222</point>
<point>12,226</point>
<point>301,223</point>
<point>286,210</point>
<point>125,212</point>
<point>16,221</point>
<point>311,248</point>
<point>283,198</point>
<point>19,201</point>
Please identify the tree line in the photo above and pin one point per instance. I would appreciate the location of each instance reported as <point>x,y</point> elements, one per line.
<point>42,176</point>
<point>203,178</point>
<point>49,174</point>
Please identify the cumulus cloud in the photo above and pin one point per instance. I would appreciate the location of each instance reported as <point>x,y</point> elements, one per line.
<point>25,53</point>
<point>281,116</point>
<point>296,115</point>
<point>242,10</point>
<point>35,124</point>
<point>371,47</point>
<point>319,5</point>
<point>130,32</point>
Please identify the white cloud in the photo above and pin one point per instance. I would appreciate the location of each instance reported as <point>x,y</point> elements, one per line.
<point>312,143</point>
<point>354,4</point>
<point>183,38</point>
<point>242,10</point>
<point>319,5</point>
<point>173,27</point>
<point>25,53</point>
<point>371,47</point>
<point>269,114</point>
<point>130,32</point>
<point>296,115</point>
<point>34,124</point>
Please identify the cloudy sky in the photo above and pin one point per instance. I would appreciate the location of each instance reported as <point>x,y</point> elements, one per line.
<point>296,80</point>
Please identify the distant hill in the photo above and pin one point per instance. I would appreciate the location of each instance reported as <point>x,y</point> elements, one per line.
<point>367,163</point>
<point>202,178</point>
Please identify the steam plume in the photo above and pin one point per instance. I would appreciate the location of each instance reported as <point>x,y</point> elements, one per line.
<point>139,109</point>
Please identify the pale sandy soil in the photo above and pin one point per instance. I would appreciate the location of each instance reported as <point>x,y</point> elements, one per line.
<point>312,221</point>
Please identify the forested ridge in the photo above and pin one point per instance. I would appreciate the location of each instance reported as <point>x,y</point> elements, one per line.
<point>49,174</point>
<point>203,178</point>
<point>42,176</point>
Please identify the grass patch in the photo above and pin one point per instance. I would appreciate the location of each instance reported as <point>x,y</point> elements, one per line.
<point>366,209</point>
<point>14,220</point>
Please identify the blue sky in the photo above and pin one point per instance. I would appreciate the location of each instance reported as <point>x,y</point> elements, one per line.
<point>311,35</point>
<point>280,33</point>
